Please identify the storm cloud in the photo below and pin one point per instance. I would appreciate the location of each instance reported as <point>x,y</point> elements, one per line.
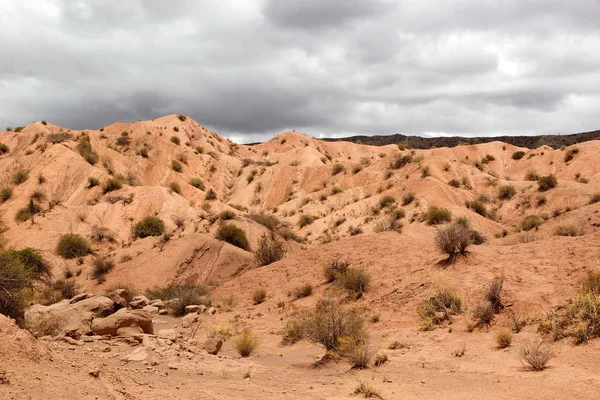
<point>249,69</point>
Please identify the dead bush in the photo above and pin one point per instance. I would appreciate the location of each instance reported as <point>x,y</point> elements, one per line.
<point>535,354</point>
<point>453,240</point>
<point>503,338</point>
<point>259,296</point>
<point>269,250</point>
<point>440,307</point>
<point>334,268</point>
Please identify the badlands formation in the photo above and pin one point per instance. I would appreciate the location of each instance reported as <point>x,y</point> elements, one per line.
<point>179,264</point>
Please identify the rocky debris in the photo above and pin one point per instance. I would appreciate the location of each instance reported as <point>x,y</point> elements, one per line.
<point>139,354</point>
<point>151,309</point>
<point>94,372</point>
<point>158,303</point>
<point>189,319</point>
<point>70,318</point>
<point>194,308</point>
<point>211,311</point>
<point>163,311</point>
<point>79,297</point>
<point>123,319</point>
<point>134,332</point>
<point>119,296</point>
<point>170,334</point>
<point>139,302</point>
<point>212,346</point>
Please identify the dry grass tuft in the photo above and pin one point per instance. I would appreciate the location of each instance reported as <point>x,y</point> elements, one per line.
<point>246,343</point>
<point>536,354</point>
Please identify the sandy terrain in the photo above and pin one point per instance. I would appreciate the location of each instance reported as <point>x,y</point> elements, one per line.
<point>291,175</point>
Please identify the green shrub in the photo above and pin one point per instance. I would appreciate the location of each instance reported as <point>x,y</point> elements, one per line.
<point>269,221</point>
<point>148,226</point>
<point>32,260</point>
<point>440,307</point>
<point>478,207</point>
<point>175,140</point>
<point>182,117</point>
<point>27,212</point>
<point>506,192</point>
<point>269,250</point>
<point>197,183</point>
<point>3,149</point>
<point>176,166</point>
<point>20,176</point>
<point>85,150</point>
<point>111,185</point>
<point>5,194</point>
<point>530,222</point>
<point>233,235</point>
<point>356,281</point>
<point>174,187</point>
<point>72,245</point>
<point>547,182</point>
<point>437,215</point>
<point>226,215</point>
<point>386,201</point>
<point>306,220</point>
<point>100,267</point>
<point>517,155</point>
<point>532,176</point>
<point>92,182</point>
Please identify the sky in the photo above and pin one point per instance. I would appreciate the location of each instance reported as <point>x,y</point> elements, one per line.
<point>250,69</point>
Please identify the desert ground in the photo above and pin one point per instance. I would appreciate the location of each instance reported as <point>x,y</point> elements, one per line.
<point>528,220</point>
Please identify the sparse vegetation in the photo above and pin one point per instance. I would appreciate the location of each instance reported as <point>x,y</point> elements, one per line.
<point>181,296</point>
<point>197,183</point>
<point>210,195</point>
<point>233,235</point>
<point>437,215</point>
<point>366,389</point>
<point>408,198</point>
<point>20,176</point>
<point>5,194</point>
<point>85,150</point>
<point>503,338</point>
<point>536,354</point>
<point>25,213</point>
<point>356,281</point>
<point>440,307</point>
<point>246,343</point>
<point>174,187</point>
<point>269,221</point>
<point>111,185</point>
<point>306,220</point>
<point>269,250</point>
<point>259,296</point>
<point>400,161</point>
<point>595,198</point>
<point>337,169</point>
<point>546,183</point>
<point>175,140</point>
<point>302,291</point>
<point>335,268</point>
<point>532,176</point>
<point>506,192</point>
<point>100,267</point>
<point>72,245</point>
<point>570,154</point>
<point>453,240</point>
<point>517,155</point>
<point>568,230</point>
<point>148,226</point>
<point>531,222</point>
<point>176,166</point>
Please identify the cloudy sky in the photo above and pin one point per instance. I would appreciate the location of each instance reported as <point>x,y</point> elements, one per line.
<point>249,69</point>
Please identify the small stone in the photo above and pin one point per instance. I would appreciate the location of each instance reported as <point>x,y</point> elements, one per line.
<point>212,346</point>
<point>95,372</point>
<point>167,334</point>
<point>211,311</point>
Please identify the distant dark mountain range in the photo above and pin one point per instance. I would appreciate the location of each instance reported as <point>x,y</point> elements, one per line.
<point>417,142</point>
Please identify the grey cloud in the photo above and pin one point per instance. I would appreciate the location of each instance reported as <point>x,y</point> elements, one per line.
<point>251,69</point>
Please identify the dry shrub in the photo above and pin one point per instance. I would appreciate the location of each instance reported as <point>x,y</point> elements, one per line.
<point>536,354</point>
<point>380,359</point>
<point>440,307</point>
<point>531,222</point>
<point>302,291</point>
<point>484,315</point>
<point>329,324</point>
<point>259,295</point>
<point>269,221</point>
<point>246,343</point>
<point>306,220</point>
<point>506,192</point>
<point>100,233</point>
<point>269,250</point>
<point>547,182</point>
<point>359,355</point>
<point>100,267</point>
<point>408,198</point>
<point>503,338</point>
<point>568,230</point>
<point>335,268</point>
<point>453,240</point>
<point>356,281</point>
<point>493,294</point>
<point>366,389</point>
